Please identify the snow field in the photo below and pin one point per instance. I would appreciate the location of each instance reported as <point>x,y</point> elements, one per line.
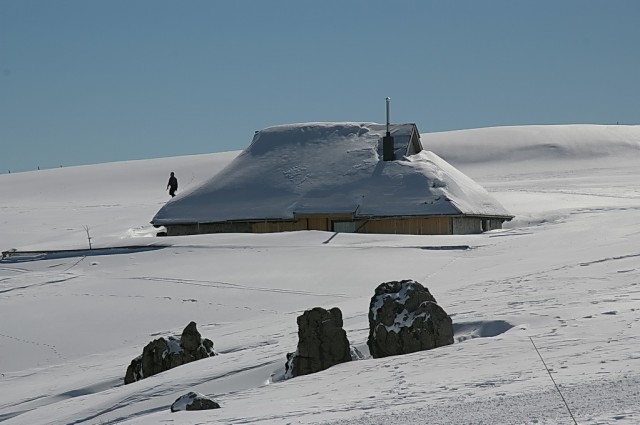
<point>566,273</point>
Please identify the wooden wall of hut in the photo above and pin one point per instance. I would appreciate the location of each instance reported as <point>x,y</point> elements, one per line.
<point>388,225</point>
<point>408,226</point>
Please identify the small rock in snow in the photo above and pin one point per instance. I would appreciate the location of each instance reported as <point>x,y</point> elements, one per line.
<point>193,401</point>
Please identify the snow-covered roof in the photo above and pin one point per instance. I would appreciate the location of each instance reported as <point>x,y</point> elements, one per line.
<point>403,134</point>
<point>321,168</point>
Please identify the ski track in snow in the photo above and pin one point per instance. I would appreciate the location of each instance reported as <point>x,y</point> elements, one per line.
<point>41,279</point>
<point>156,391</point>
<point>543,406</point>
<point>227,285</point>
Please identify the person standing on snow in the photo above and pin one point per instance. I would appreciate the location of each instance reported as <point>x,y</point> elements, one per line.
<point>172,185</point>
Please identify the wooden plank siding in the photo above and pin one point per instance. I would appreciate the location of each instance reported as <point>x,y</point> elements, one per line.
<point>386,225</point>
<point>408,226</point>
<point>321,222</point>
<point>277,226</point>
<point>492,224</point>
<point>395,225</point>
<point>317,223</point>
<point>467,225</point>
<point>301,222</point>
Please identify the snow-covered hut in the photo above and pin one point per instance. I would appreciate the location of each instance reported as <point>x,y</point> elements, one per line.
<point>334,177</point>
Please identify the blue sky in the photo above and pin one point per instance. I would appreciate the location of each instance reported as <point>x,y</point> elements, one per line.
<point>85,82</point>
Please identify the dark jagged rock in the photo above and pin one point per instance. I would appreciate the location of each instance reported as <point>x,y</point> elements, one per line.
<point>191,338</point>
<point>322,343</point>
<point>166,353</point>
<point>404,318</point>
<point>193,401</point>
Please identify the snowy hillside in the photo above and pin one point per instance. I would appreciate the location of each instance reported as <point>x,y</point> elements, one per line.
<point>565,273</point>
<point>541,148</point>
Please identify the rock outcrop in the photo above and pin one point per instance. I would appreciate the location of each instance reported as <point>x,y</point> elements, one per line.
<point>166,353</point>
<point>404,318</point>
<point>322,343</point>
<point>193,401</point>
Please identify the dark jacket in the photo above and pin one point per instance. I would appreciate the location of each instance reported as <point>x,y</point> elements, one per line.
<point>173,183</point>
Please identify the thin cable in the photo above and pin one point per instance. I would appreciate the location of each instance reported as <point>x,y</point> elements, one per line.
<point>74,264</point>
<point>554,381</point>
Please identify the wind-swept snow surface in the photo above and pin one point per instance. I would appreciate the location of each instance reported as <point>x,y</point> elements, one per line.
<point>566,273</point>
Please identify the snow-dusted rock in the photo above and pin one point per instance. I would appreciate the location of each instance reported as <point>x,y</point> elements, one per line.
<point>322,343</point>
<point>403,318</point>
<point>193,401</point>
<point>166,353</point>
<point>191,338</point>
<point>356,354</point>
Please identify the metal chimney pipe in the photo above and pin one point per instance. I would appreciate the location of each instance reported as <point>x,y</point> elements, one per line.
<point>388,120</point>
<point>388,145</point>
